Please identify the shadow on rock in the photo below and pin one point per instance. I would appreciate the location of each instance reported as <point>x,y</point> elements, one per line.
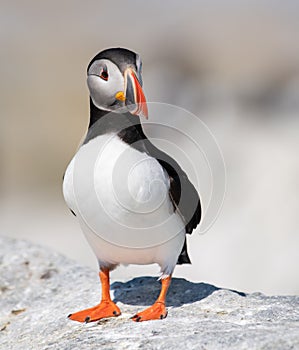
<point>144,291</point>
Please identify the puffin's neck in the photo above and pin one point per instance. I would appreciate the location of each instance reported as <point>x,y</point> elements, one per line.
<point>95,113</point>
<point>126,125</point>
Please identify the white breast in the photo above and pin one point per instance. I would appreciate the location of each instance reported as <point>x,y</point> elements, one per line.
<point>120,196</point>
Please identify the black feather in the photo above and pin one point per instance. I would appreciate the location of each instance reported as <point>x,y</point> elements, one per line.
<point>184,257</point>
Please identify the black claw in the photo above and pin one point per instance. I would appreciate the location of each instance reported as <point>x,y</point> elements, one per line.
<point>69,315</point>
<point>133,317</point>
<point>87,319</point>
<point>161,317</point>
<point>138,318</point>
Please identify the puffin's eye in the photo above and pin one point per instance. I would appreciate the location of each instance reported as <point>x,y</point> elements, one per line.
<point>104,75</point>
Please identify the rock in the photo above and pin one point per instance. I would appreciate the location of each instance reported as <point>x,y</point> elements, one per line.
<point>39,288</point>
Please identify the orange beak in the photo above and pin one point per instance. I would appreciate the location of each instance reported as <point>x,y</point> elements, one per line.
<point>135,99</point>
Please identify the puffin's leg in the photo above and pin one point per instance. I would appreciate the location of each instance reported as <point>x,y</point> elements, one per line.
<point>106,308</point>
<point>158,309</point>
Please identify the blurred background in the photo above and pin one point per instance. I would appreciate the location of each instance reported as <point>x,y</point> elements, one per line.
<point>235,64</point>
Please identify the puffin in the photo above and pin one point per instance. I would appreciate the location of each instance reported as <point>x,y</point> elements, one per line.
<point>134,203</point>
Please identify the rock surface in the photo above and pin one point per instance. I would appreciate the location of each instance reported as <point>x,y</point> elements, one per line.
<point>39,288</point>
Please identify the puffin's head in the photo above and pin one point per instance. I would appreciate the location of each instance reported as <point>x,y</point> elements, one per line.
<point>114,81</point>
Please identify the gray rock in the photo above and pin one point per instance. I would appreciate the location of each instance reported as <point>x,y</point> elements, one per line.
<point>39,288</point>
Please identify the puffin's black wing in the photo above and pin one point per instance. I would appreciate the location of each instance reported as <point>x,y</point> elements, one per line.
<point>182,193</point>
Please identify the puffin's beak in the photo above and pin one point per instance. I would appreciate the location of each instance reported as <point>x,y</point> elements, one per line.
<point>135,99</point>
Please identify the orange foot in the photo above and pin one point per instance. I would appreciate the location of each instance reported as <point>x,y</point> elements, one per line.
<point>155,312</point>
<point>103,310</point>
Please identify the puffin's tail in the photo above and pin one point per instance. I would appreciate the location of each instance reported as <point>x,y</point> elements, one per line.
<point>184,257</point>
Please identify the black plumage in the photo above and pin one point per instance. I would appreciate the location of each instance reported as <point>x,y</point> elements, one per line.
<point>119,56</point>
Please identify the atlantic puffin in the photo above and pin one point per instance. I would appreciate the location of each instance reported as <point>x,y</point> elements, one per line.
<point>133,202</point>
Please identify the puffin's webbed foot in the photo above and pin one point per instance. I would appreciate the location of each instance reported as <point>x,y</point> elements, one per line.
<point>103,310</point>
<point>155,312</point>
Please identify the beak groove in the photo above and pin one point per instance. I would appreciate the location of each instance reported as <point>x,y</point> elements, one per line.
<point>135,99</point>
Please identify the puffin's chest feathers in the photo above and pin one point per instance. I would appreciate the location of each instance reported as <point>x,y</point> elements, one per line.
<point>128,183</point>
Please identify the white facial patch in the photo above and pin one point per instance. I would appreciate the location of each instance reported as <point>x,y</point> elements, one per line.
<point>102,91</point>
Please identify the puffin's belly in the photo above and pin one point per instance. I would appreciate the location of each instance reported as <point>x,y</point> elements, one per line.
<point>108,254</point>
